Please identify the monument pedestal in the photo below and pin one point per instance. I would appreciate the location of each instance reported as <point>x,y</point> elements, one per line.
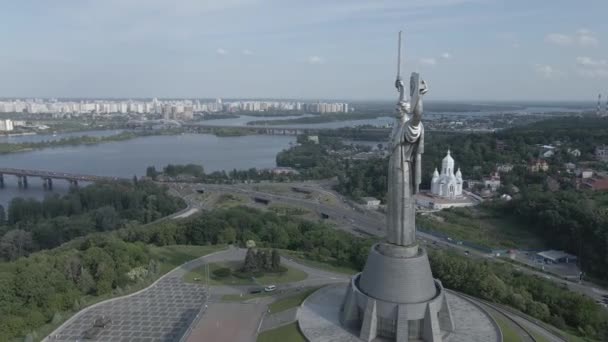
<point>396,297</point>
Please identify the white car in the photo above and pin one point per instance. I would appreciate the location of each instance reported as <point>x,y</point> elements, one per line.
<point>270,288</point>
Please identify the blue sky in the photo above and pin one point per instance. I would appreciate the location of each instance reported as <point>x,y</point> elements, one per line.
<point>344,49</point>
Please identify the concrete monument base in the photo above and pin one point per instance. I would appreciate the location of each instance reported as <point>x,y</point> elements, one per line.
<point>396,297</point>
<point>319,319</point>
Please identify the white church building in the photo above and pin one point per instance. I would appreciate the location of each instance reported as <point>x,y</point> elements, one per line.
<point>447,184</point>
<point>446,189</point>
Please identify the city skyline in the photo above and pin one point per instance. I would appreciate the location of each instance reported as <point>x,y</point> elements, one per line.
<point>482,50</point>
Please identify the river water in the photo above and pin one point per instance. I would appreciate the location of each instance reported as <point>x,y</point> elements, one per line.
<point>382,121</point>
<point>131,157</point>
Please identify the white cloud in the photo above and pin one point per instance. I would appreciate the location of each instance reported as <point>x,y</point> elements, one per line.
<point>582,37</point>
<point>559,39</point>
<point>428,61</point>
<point>315,60</point>
<point>247,52</point>
<point>593,73</point>
<point>221,51</point>
<point>446,55</point>
<point>590,62</point>
<point>592,68</point>
<point>586,40</point>
<point>509,38</point>
<point>547,71</point>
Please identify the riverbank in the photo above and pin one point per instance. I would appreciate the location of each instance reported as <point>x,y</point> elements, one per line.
<point>325,118</point>
<point>6,148</point>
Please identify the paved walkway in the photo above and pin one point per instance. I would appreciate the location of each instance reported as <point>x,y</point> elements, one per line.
<point>234,322</point>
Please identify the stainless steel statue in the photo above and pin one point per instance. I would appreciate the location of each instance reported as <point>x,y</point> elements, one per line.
<point>395,296</point>
<point>406,146</point>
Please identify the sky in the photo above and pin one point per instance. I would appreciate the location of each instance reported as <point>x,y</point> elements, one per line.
<point>546,50</point>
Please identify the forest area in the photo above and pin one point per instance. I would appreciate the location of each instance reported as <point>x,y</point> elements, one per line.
<point>30,225</point>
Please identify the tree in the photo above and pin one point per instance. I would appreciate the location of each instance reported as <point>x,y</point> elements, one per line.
<point>228,235</point>
<point>276,260</point>
<point>151,172</point>
<point>251,261</point>
<point>15,244</point>
<point>2,215</point>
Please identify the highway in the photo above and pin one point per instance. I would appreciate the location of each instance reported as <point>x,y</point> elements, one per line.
<point>371,224</point>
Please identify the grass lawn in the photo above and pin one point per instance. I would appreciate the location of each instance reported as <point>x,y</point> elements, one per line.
<point>292,275</point>
<point>225,201</point>
<point>172,256</point>
<point>480,226</point>
<point>291,301</point>
<point>538,337</point>
<point>289,332</point>
<point>509,333</point>
<point>283,209</point>
<point>301,258</point>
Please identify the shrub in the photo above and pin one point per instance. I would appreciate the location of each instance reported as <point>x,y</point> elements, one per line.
<point>222,272</point>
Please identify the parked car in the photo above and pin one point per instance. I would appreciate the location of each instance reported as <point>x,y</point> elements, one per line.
<point>270,288</point>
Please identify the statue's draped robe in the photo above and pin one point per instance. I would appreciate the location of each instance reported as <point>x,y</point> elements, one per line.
<point>406,146</point>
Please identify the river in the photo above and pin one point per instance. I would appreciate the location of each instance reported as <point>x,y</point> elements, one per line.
<point>131,157</point>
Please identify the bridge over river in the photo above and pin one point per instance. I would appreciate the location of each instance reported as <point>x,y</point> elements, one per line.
<point>276,129</point>
<point>48,176</point>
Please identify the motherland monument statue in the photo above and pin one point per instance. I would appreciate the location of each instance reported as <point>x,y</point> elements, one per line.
<point>395,296</point>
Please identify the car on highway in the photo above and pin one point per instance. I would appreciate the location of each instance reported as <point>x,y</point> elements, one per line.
<point>270,288</point>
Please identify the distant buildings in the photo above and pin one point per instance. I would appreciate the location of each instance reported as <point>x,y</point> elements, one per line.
<point>538,165</point>
<point>313,138</point>
<point>492,182</point>
<point>169,109</point>
<point>601,153</point>
<point>596,183</point>
<point>574,152</point>
<point>371,202</point>
<point>284,171</point>
<point>322,108</point>
<point>504,168</point>
<point>556,257</point>
<point>6,125</point>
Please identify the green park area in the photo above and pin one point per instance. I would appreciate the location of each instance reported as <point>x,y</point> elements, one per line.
<point>236,278</point>
<point>174,255</point>
<point>330,265</point>
<point>509,332</point>
<point>481,226</point>
<point>229,200</point>
<point>289,332</point>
